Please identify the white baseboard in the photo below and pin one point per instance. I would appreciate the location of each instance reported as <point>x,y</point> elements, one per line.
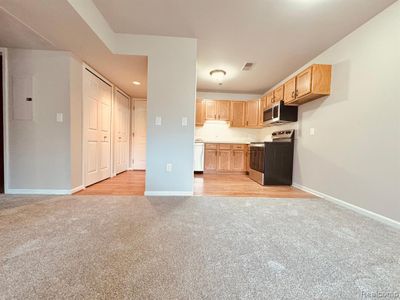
<point>168,193</point>
<point>37,192</point>
<point>43,191</point>
<point>353,207</point>
<point>77,189</point>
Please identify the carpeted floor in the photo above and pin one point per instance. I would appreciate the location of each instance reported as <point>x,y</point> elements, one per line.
<point>192,248</point>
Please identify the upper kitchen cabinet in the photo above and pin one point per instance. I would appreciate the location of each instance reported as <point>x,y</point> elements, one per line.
<point>252,114</point>
<point>238,113</point>
<point>290,90</point>
<point>278,94</point>
<point>269,99</point>
<point>217,110</point>
<point>261,107</point>
<point>312,83</point>
<point>199,112</point>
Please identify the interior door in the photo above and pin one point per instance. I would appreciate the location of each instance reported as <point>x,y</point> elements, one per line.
<point>139,139</point>
<point>121,125</point>
<point>97,102</point>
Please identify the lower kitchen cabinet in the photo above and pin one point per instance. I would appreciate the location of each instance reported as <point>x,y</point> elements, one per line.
<point>225,158</point>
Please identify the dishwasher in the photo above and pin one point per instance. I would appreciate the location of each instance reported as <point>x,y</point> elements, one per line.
<point>199,157</point>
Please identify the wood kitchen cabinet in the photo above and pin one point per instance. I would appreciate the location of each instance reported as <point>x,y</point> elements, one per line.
<point>210,157</point>
<point>278,94</point>
<point>252,114</point>
<point>225,158</point>
<point>312,83</point>
<point>269,99</point>
<point>199,112</point>
<point>289,90</point>
<point>261,107</point>
<point>217,110</point>
<point>238,114</point>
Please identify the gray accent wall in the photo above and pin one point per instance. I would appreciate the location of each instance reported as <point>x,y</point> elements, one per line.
<point>354,155</point>
<point>40,150</point>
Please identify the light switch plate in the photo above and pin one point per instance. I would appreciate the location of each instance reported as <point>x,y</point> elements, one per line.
<point>60,117</point>
<point>312,131</point>
<point>158,121</point>
<point>184,121</point>
<point>168,167</point>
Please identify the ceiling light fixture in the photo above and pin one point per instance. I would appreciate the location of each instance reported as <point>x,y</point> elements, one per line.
<point>218,75</point>
<point>136,83</point>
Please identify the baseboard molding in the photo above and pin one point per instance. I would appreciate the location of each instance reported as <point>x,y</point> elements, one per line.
<point>168,193</point>
<point>37,192</point>
<point>77,189</point>
<point>353,207</point>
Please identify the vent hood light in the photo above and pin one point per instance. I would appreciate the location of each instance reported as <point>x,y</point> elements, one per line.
<point>136,83</point>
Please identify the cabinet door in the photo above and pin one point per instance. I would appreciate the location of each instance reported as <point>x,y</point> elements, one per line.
<point>199,113</point>
<point>278,94</point>
<point>224,110</point>
<point>260,113</point>
<point>303,83</point>
<point>210,160</point>
<point>252,108</point>
<point>238,113</point>
<point>210,108</point>
<point>224,160</point>
<point>238,160</point>
<point>270,99</point>
<point>290,90</point>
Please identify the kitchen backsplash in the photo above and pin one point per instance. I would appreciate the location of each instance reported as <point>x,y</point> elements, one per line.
<point>221,132</point>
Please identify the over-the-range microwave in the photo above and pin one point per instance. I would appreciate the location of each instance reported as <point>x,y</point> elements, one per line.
<point>280,114</point>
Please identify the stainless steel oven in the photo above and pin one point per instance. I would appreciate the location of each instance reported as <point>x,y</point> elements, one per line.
<point>256,171</point>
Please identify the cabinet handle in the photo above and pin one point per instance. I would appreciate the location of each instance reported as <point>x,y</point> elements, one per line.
<point>297,92</point>
<point>293,94</point>
<point>215,116</point>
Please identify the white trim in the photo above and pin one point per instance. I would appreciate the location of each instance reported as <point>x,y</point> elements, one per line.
<point>5,82</point>
<point>353,207</point>
<point>77,189</point>
<point>38,192</point>
<point>168,193</point>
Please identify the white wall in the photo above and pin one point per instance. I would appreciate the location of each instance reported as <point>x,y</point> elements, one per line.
<point>76,82</point>
<point>41,151</point>
<point>355,152</point>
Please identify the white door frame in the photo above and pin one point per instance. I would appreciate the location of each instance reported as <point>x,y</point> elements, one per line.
<point>115,90</point>
<point>5,83</point>
<point>86,68</point>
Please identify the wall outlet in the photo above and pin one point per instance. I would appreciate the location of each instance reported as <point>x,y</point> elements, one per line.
<point>158,121</point>
<point>312,131</point>
<point>184,121</point>
<point>60,117</point>
<point>168,167</point>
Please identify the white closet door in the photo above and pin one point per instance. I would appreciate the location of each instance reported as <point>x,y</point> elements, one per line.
<point>139,140</point>
<point>121,125</point>
<point>97,102</point>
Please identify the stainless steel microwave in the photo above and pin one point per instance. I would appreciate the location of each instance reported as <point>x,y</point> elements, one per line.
<point>280,114</point>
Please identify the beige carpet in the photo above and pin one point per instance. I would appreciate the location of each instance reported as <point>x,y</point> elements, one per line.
<point>192,248</point>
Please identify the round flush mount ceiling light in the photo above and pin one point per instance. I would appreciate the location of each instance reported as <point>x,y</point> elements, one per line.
<point>218,75</point>
<point>136,83</point>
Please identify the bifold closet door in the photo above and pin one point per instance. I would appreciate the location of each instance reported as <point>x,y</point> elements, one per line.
<point>121,125</point>
<point>97,115</point>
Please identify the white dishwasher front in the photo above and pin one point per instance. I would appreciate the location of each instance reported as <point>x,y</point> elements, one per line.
<point>198,157</point>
